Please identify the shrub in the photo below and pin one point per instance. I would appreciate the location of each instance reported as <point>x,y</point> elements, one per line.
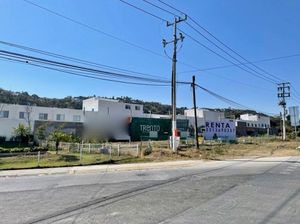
<point>148,150</point>
<point>2,138</point>
<point>233,142</point>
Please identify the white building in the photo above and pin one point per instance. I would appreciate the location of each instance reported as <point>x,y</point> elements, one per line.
<point>255,121</point>
<point>113,108</point>
<point>11,115</point>
<point>202,116</point>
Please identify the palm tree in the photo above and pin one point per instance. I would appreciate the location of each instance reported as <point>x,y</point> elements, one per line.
<point>22,133</point>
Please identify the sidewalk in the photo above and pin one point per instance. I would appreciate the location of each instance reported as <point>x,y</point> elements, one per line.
<point>100,168</point>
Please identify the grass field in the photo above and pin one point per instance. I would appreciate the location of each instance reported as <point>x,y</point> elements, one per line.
<point>248,147</point>
<point>62,159</point>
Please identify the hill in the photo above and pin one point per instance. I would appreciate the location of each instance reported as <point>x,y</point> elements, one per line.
<point>23,98</point>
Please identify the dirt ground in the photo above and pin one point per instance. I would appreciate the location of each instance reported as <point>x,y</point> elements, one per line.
<point>249,147</point>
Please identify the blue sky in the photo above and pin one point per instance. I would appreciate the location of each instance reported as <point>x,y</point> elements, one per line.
<point>254,28</point>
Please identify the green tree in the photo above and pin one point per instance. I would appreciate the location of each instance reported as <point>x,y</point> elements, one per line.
<point>41,133</point>
<point>59,136</point>
<point>22,133</point>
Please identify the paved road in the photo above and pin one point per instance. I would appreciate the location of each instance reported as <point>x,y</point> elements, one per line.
<point>265,190</point>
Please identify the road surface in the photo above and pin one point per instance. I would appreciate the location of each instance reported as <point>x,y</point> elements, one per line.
<point>263,190</point>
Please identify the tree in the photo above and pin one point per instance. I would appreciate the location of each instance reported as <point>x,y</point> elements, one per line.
<point>28,111</point>
<point>59,136</point>
<point>22,133</point>
<point>41,132</point>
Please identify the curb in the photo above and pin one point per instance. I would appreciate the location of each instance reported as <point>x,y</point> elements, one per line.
<point>100,168</point>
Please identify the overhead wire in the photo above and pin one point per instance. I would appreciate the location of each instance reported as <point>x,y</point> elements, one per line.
<point>86,24</point>
<point>73,59</point>
<point>201,44</point>
<point>218,40</point>
<point>81,74</point>
<point>230,65</point>
<point>66,65</point>
<point>94,29</point>
<point>267,76</point>
<point>259,75</point>
<point>229,101</point>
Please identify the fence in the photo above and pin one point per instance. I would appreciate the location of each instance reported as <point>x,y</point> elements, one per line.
<point>116,149</point>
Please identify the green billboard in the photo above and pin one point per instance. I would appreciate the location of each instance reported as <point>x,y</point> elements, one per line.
<point>153,128</point>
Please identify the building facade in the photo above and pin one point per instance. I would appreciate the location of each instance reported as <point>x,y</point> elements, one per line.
<point>250,124</point>
<point>11,115</point>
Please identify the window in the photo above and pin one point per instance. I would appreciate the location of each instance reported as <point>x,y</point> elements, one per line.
<point>256,125</point>
<point>60,117</point>
<point>137,108</point>
<point>127,107</point>
<point>252,125</point>
<point>22,115</point>
<point>248,124</point>
<point>43,116</point>
<point>76,118</point>
<point>4,114</point>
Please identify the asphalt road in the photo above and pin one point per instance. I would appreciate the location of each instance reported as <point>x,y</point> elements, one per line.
<point>265,190</point>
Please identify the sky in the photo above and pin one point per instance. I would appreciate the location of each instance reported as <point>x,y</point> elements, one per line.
<point>255,29</point>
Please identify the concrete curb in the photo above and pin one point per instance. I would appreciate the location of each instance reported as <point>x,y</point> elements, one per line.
<point>99,168</point>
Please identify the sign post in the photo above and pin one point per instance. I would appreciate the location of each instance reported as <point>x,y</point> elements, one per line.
<point>220,129</point>
<point>294,115</point>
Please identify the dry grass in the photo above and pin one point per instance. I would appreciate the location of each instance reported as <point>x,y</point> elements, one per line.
<point>254,147</point>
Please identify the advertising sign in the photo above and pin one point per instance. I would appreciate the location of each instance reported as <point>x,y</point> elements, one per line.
<point>220,129</point>
<point>294,114</point>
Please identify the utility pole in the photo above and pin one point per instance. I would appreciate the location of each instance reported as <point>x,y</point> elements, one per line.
<point>283,93</point>
<point>195,112</point>
<point>174,60</point>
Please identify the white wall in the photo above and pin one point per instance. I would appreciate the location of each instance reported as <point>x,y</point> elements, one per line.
<point>205,114</point>
<point>113,108</point>
<point>8,124</point>
<point>256,121</point>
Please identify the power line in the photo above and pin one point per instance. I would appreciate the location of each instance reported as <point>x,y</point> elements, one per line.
<point>158,7</point>
<point>235,64</point>
<point>93,76</point>
<point>206,47</point>
<point>144,11</point>
<point>220,48</point>
<point>86,69</point>
<point>81,74</point>
<point>94,29</point>
<point>84,62</point>
<point>219,41</point>
<point>85,25</point>
<point>273,78</point>
<point>230,65</point>
<point>228,101</point>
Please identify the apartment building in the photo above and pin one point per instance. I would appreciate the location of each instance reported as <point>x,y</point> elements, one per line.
<point>11,115</point>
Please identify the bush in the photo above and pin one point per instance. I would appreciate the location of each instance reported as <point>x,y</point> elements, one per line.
<point>24,149</point>
<point>148,150</point>
<point>2,139</point>
<point>233,142</point>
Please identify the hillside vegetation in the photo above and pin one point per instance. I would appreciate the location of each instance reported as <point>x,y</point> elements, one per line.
<point>23,98</point>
